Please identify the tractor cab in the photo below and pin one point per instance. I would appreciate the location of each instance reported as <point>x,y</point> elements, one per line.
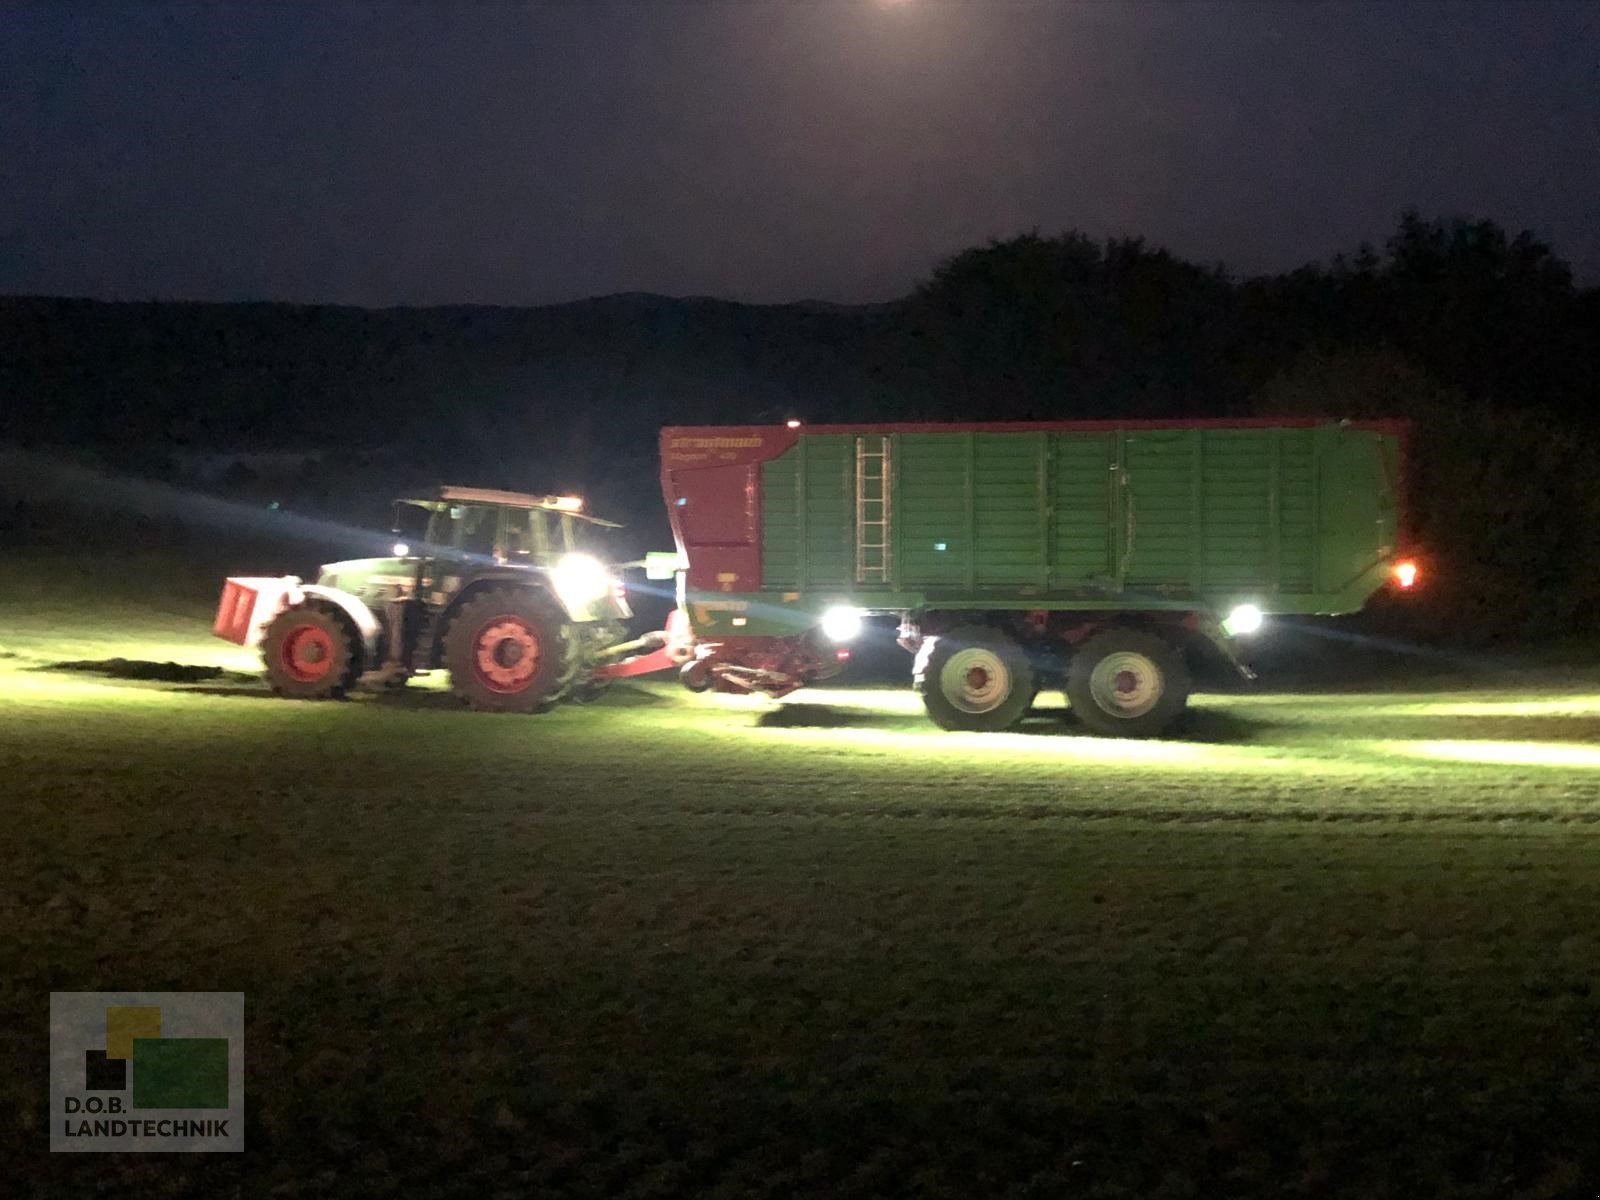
<point>455,539</point>
<point>492,528</point>
<point>470,536</point>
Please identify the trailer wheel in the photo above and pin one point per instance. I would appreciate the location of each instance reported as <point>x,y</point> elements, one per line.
<point>509,650</point>
<point>1127,683</point>
<point>974,678</point>
<point>311,652</point>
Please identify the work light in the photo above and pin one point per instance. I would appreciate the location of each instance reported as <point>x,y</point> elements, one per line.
<point>1245,618</point>
<point>580,580</point>
<point>841,624</point>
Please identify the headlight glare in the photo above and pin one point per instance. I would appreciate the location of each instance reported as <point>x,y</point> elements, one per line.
<point>841,624</point>
<point>1245,618</point>
<point>581,579</point>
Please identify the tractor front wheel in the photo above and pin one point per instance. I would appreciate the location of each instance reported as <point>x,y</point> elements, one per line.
<point>509,650</point>
<point>311,652</point>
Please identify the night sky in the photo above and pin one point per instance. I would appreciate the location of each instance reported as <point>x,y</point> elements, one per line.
<point>824,149</point>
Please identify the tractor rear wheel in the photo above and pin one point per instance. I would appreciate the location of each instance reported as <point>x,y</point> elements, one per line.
<point>974,678</point>
<point>1127,683</point>
<point>510,650</point>
<point>311,652</point>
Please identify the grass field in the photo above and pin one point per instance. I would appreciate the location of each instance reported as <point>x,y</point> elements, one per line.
<point>1338,944</point>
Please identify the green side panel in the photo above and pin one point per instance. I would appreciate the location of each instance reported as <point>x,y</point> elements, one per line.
<point>1158,505</point>
<point>781,526</point>
<point>1295,519</point>
<point>829,559</point>
<point>1296,515</point>
<point>808,514</point>
<point>1219,510</point>
<point>1233,533</point>
<point>1010,503</point>
<point>932,516</point>
<point>1357,475</point>
<point>1083,537</point>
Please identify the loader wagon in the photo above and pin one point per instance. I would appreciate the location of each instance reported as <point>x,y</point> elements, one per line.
<point>1106,559</point>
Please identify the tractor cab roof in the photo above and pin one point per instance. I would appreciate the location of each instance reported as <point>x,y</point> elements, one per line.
<point>445,497</point>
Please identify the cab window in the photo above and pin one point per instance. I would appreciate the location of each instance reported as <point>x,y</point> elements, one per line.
<point>478,531</point>
<point>442,526</point>
<point>521,538</point>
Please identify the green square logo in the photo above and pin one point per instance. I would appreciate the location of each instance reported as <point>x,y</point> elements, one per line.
<point>180,1072</point>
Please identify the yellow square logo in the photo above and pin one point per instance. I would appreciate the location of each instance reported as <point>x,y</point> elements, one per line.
<point>125,1024</point>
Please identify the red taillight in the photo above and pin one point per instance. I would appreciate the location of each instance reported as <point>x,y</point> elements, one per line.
<point>1405,574</point>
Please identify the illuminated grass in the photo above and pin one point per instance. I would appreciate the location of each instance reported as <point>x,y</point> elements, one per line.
<point>118,610</point>
<point>1516,754</point>
<point>673,945</point>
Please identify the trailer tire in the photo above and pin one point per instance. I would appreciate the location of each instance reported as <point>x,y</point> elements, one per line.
<point>509,650</point>
<point>1127,683</point>
<point>974,678</point>
<point>311,652</point>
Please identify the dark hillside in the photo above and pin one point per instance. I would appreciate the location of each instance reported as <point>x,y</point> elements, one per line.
<point>1479,336</point>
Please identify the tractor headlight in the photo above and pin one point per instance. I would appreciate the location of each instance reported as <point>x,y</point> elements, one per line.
<point>841,624</point>
<point>1245,618</point>
<point>581,579</point>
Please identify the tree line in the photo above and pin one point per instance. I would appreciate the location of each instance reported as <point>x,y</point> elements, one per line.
<point>1479,336</point>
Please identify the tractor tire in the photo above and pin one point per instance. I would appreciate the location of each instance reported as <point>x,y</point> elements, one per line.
<point>1127,683</point>
<point>974,678</point>
<point>311,652</point>
<point>510,650</point>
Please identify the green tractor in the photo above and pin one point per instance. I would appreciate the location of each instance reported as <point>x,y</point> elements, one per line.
<point>502,590</point>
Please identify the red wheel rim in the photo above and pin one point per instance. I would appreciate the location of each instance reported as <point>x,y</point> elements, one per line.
<point>505,654</point>
<point>306,654</point>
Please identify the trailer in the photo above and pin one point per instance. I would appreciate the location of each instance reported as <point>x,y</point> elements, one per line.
<point>1104,558</point>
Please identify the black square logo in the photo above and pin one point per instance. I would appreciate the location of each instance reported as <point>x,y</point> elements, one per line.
<point>102,1074</point>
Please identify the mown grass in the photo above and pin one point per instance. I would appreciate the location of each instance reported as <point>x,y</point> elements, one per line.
<point>666,945</point>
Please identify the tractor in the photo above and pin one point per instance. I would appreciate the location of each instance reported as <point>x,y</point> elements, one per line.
<point>502,590</point>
